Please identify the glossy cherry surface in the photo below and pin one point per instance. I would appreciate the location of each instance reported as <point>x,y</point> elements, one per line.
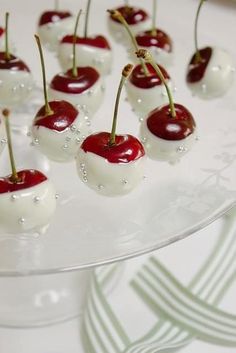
<point>27,179</point>
<point>67,83</point>
<point>95,41</point>
<point>139,79</point>
<point>127,148</point>
<point>160,40</point>
<point>197,68</point>
<point>64,114</point>
<point>53,16</point>
<point>163,125</point>
<point>132,15</point>
<point>14,63</point>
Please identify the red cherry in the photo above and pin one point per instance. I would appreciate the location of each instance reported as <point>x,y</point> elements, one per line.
<point>163,125</point>
<point>14,63</point>
<point>2,30</point>
<point>127,148</point>
<point>132,15</point>
<point>197,68</point>
<point>64,114</point>
<point>66,82</point>
<point>96,41</point>
<point>28,178</point>
<point>139,79</point>
<point>53,16</point>
<point>159,40</point>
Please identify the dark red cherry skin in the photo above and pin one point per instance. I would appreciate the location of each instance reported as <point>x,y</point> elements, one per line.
<point>95,41</point>
<point>132,15</point>
<point>53,16</point>
<point>140,80</point>
<point>67,83</point>
<point>2,30</point>
<point>161,124</point>
<point>13,64</point>
<point>197,68</point>
<point>159,40</point>
<point>64,114</point>
<point>126,149</point>
<point>27,179</point>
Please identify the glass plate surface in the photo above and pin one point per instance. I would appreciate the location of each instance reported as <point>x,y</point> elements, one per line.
<point>173,201</point>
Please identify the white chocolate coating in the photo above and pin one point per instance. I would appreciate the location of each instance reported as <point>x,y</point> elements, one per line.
<point>2,136</point>
<point>61,146</point>
<point>119,33</point>
<point>161,56</point>
<point>165,150</point>
<point>28,210</point>
<point>218,77</point>
<point>87,55</point>
<point>90,100</point>
<point>109,179</point>
<point>15,87</point>
<point>145,100</point>
<point>51,33</point>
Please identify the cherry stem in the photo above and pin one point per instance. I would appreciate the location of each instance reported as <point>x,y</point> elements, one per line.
<point>125,74</point>
<point>48,110</point>
<point>117,15</point>
<point>7,53</point>
<point>148,58</point>
<point>56,5</point>
<point>197,55</point>
<point>14,177</point>
<point>87,18</point>
<point>74,67</point>
<point>154,16</point>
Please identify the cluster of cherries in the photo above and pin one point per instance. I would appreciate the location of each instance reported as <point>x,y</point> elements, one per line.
<point>110,164</point>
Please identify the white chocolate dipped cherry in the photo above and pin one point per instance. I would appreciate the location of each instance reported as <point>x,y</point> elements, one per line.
<point>145,90</point>
<point>16,81</point>
<point>53,25</point>
<point>59,127</point>
<point>81,86</point>
<point>156,41</point>
<point>112,164</point>
<point>27,198</point>
<point>137,19</point>
<point>92,51</point>
<point>210,71</point>
<point>169,131</point>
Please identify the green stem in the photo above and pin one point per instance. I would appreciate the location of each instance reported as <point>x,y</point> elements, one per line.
<point>7,53</point>
<point>154,16</point>
<point>87,18</point>
<point>74,67</point>
<point>197,55</point>
<point>56,5</point>
<point>14,175</point>
<point>122,20</point>
<point>125,73</point>
<point>48,110</point>
<point>148,58</point>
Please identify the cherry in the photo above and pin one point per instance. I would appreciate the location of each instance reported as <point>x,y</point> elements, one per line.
<point>27,179</point>
<point>163,125</point>
<point>197,68</point>
<point>97,41</point>
<point>68,83</point>
<point>126,148</point>
<point>12,63</point>
<point>140,80</point>
<point>158,39</point>
<point>132,15</point>
<point>53,16</point>
<point>63,116</point>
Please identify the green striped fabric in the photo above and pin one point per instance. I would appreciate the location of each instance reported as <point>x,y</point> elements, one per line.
<point>186,313</point>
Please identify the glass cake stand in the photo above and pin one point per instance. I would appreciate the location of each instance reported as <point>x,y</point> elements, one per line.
<point>43,279</point>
